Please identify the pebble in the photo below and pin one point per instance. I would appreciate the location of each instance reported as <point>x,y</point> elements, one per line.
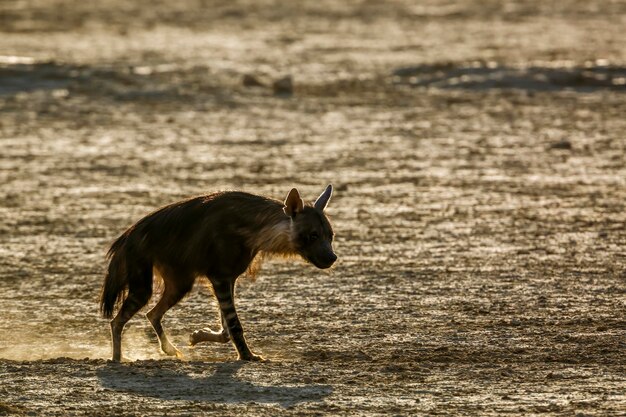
<point>283,86</point>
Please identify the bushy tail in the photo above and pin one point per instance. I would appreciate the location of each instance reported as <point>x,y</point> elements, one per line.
<point>116,280</point>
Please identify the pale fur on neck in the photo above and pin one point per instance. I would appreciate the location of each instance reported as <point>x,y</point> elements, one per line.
<point>272,240</point>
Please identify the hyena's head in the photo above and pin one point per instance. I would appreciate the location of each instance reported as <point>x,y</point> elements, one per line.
<point>310,229</point>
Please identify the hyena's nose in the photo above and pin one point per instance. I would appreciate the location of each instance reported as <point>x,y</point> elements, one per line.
<point>331,259</point>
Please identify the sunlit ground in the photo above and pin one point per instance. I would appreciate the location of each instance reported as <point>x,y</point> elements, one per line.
<point>477,153</point>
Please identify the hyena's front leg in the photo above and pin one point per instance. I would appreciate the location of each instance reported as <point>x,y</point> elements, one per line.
<point>208,335</point>
<point>224,294</point>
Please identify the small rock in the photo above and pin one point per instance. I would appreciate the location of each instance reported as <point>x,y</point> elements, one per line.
<point>251,81</point>
<point>283,86</point>
<point>562,144</point>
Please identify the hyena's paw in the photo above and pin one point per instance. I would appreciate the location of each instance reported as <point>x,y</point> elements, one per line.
<point>170,350</point>
<point>207,335</point>
<point>252,358</point>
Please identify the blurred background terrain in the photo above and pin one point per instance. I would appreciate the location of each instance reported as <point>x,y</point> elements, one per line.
<point>477,150</point>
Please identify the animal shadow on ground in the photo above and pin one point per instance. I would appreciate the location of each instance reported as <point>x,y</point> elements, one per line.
<point>214,382</point>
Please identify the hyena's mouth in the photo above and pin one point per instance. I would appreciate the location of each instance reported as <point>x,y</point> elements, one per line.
<point>324,263</point>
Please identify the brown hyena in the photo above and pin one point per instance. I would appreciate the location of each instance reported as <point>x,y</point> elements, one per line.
<point>217,236</point>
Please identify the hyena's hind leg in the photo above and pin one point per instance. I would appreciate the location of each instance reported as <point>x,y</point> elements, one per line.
<point>139,292</point>
<point>176,286</point>
<point>208,335</point>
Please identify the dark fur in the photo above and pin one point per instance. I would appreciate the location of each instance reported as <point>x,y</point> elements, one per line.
<point>217,236</point>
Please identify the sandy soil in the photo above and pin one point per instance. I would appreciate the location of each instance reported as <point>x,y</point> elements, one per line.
<point>478,154</point>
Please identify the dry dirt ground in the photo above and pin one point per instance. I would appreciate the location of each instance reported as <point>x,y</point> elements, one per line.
<point>478,154</point>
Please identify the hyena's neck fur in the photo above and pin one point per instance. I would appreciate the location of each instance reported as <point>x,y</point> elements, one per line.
<point>274,237</point>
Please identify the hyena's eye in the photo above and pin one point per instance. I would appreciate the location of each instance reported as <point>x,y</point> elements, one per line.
<point>313,237</point>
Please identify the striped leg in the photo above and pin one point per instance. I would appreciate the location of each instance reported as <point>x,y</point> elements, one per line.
<point>224,293</point>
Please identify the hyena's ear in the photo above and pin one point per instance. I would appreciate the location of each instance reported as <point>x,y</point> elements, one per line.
<point>322,200</point>
<point>293,203</point>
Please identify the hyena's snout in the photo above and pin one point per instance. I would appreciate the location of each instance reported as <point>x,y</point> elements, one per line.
<point>330,259</point>
<point>324,257</point>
